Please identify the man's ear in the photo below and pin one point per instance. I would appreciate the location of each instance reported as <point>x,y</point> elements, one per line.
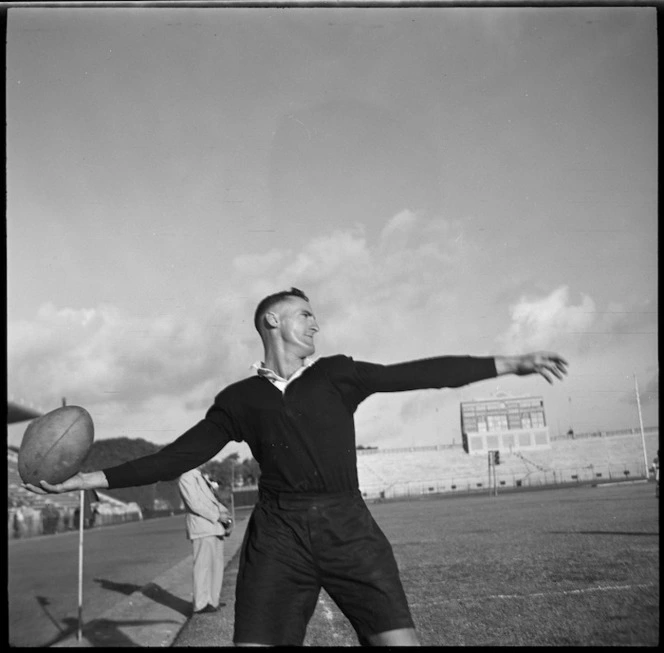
<point>271,320</point>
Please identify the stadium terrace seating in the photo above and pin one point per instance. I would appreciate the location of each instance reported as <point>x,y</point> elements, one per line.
<point>30,514</point>
<point>20,496</point>
<point>425,470</point>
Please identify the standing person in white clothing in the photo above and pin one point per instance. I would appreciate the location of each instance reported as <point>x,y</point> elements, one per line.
<point>207,521</point>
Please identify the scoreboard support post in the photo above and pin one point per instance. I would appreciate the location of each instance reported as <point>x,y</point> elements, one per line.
<point>493,479</point>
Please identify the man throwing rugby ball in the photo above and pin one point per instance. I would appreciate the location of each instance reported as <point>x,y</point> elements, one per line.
<point>311,528</point>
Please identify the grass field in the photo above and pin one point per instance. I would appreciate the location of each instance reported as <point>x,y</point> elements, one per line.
<point>563,567</point>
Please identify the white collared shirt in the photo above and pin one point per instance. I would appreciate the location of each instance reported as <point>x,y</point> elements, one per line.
<point>279,381</point>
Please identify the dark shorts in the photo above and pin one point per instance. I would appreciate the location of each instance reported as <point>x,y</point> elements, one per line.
<point>293,547</point>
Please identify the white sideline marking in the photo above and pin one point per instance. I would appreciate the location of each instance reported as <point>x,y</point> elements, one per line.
<point>617,483</point>
<point>603,588</point>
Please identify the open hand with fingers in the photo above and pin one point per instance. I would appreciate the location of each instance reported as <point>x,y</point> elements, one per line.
<point>80,481</point>
<point>545,363</point>
<point>70,485</point>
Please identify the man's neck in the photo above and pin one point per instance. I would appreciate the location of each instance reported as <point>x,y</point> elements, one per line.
<point>283,364</point>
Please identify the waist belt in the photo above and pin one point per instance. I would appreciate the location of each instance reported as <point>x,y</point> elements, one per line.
<point>304,501</point>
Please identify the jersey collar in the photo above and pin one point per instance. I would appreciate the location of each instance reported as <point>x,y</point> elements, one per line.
<point>261,370</point>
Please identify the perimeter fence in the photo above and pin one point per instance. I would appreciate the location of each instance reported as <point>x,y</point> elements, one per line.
<point>512,482</point>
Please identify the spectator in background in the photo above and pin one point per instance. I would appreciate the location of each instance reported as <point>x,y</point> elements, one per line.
<point>94,516</point>
<point>207,521</point>
<point>66,520</point>
<point>50,518</point>
<point>19,522</point>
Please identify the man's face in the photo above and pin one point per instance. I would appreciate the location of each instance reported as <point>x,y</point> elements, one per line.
<point>297,325</point>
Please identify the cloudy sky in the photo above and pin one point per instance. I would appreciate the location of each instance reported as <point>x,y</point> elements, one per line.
<point>438,181</point>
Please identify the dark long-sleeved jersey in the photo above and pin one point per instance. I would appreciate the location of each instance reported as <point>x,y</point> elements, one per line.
<point>303,438</point>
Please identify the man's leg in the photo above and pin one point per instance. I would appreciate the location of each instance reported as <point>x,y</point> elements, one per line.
<point>201,572</point>
<point>277,586</point>
<point>399,637</point>
<point>216,571</point>
<point>361,575</point>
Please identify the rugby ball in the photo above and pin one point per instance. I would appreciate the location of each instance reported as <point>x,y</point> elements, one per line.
<point>55,445</point>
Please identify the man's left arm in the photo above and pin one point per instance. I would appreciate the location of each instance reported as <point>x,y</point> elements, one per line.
<point>452,371</point>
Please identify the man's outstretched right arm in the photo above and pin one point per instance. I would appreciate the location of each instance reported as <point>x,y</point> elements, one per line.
<point>193,448</point>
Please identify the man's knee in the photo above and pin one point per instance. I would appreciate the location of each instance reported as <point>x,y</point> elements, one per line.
<point>399,637</point>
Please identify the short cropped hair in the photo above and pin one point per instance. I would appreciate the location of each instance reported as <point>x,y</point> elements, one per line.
<point>268,302</point>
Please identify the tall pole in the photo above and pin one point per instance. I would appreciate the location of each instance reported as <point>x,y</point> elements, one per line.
<point>643,437</point>
<point>80,566</point>
<point>81,509</point>
<point>495,480</point>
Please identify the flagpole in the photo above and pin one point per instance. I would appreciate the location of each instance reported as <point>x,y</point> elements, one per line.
<point>643,437</point>
<point>80,565</point>
<point>80,556</point>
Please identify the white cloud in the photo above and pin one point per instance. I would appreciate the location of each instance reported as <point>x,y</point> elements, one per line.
<point>399,226</point>
<point>542,323</point>
<point>153,376</point>
<point>94,353</point>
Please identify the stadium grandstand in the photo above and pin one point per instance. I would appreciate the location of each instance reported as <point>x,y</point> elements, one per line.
<point>606,456</point>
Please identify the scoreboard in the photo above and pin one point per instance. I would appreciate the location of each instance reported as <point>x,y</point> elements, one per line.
<point>505,424</point>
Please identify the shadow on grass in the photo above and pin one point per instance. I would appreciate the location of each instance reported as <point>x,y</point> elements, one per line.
<point>151,591</point>
<point>103,633</point>
<point>107,632</point>
<point>122,588</point>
